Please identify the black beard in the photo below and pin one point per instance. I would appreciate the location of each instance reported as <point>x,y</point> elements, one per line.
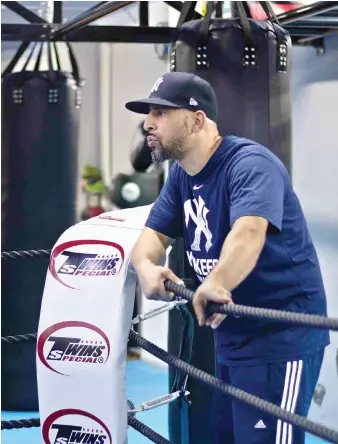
<point>170,152</point>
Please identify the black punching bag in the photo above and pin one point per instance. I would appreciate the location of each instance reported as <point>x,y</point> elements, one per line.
<point>247,62</point>
<point>40,126</point>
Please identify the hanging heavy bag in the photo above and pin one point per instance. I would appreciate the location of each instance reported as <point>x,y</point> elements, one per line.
<point>247,63</point>
<point>40,126</point>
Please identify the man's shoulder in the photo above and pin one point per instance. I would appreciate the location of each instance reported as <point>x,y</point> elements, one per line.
<point>243,146</point>
<point>246,150</point>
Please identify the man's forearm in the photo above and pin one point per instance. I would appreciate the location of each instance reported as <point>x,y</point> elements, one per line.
<point>149,248</point>
<point>238,258</point>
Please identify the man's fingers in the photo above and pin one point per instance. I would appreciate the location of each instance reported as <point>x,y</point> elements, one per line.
<point>200,301</point>
<point>199,306</point>
<point>159,292</point>
<point>168,274</point>
<point>216,322</point>
<point>168,296</point>
<point>220,297</point>
<point>210,320</point>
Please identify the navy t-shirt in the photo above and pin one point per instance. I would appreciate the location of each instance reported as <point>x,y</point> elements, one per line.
<point>243,178</point>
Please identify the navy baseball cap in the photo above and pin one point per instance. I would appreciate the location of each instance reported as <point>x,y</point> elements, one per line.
<point>179,90</point>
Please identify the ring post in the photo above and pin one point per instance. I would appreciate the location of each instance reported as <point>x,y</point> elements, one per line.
<point>84,324</point>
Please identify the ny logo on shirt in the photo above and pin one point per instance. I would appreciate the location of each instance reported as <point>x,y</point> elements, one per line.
<point>199,216</point>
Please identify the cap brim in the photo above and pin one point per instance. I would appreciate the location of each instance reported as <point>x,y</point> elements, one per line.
<point>143,106</point>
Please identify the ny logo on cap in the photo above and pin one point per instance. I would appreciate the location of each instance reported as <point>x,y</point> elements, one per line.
<point>156,85</point>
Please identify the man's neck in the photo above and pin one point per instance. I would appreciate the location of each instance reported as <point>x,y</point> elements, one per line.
<point>196,159</point>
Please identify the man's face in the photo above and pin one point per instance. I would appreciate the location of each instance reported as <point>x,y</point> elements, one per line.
<point>168,131</point>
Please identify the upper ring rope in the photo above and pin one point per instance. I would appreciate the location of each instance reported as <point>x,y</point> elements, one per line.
<point>232,309</point>
<point>257,312</point>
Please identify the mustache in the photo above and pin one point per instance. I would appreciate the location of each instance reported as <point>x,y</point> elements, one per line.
<point>151,138</point>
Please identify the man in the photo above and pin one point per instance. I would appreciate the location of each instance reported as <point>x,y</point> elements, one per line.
<point>247,240</point>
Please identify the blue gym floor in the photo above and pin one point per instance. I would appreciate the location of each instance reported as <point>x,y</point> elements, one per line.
<point>144,382</point>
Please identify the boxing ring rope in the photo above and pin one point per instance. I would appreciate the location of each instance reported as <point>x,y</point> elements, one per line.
<point>237,310</point>
<point>132,422</point>
<point>309,320</point>
<point>256,312</point>
<point>24,254</point>
<point>265,406</point>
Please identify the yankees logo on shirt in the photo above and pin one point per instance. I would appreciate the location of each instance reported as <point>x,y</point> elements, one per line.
<point>198,215</point>
<point>196,222</point>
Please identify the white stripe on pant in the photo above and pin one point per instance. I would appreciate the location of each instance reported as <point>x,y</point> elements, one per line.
<point>289,400</point>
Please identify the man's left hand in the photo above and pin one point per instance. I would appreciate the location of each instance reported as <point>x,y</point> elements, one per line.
<point>214,292</point>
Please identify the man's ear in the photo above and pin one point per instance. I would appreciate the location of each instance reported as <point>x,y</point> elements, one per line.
<point>199,121</point>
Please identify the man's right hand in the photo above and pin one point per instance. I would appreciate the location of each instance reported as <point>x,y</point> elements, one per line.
<point>152,277</point>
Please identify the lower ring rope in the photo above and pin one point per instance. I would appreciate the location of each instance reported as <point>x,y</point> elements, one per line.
<point>29,337</point>
<point>258,313</point>
<point>146,431</point>
<point>297,420</point>
<point>132,422</point>
<point>237,310</point>
<point>265,406</point>
<point>20,424</point>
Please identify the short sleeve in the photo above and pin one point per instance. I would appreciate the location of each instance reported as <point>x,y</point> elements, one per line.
<point>256,188</point>
<point>166,213</point>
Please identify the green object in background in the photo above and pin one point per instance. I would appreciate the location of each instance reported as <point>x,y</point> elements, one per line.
<point>92,180</point>
<point>95,188</point>
<point>91,172</point>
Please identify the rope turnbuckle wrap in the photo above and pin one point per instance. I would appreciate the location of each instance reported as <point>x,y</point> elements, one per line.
<point>315,321</point>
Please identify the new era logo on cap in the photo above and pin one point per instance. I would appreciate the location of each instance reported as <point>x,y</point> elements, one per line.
<point>260,425</point>
<point>179,90</point>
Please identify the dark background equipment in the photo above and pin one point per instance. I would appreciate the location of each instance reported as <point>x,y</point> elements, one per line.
<point>40,123</point>
<point>143,185</point>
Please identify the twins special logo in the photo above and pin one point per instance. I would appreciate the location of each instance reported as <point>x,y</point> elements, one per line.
<point>72,345</point>
<point>72,261</point>
<point>70,426</point>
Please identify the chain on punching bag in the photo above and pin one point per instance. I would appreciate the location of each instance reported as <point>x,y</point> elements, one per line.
<point>40,125</point>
